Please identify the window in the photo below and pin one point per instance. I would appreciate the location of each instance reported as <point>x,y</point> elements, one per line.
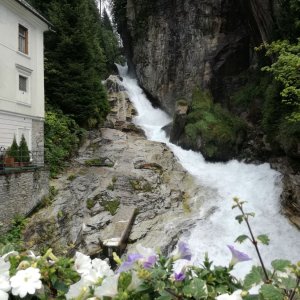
<point>23,39</point>
<point>22,83</point>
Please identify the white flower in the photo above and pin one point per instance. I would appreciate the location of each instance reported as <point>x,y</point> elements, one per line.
<point>4,266</point>
<point>32,255</point>
<point>79,289</point>
<point>135,281</point>
<point>4,279</point>
<point>9,254</point>
<point>102,267</point>
<point>26,282</point>
<point>235,296</point>
<point>4,283</point>
<point>109,287</point>
<point>146,252</point>
<point>83,263</point>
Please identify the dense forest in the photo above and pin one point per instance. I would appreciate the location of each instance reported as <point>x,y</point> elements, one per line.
<point>80,51</point>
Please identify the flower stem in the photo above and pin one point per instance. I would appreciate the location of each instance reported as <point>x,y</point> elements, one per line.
<point>294,291</point>
<point>254,242</point>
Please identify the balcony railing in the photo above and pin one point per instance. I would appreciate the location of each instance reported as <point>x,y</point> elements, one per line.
<point>19,162</point>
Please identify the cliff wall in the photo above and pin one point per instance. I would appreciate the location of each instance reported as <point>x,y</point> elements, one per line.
<point>175,46</point>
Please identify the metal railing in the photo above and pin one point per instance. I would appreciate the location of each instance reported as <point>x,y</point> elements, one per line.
<point>20,161</point>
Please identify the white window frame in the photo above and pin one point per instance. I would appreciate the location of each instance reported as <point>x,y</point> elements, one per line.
<point>23,97</point>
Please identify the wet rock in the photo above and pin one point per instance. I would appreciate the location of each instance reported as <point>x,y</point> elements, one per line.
<point>145,175</point>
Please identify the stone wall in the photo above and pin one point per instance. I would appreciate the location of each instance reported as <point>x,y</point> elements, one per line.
<point>20,193</point>
<point>38,142</point>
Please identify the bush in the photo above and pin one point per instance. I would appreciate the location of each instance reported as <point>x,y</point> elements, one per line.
<point>62,139</point>
<point>216,127</point>
<point>24,154</point>
<point>13,150</point>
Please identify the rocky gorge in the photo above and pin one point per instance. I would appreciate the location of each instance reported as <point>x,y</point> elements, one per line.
<point>117,167</point>
<point>193,59</point>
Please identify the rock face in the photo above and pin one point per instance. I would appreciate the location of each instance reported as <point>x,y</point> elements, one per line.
<point>176,46</point>
<point>118,167</point>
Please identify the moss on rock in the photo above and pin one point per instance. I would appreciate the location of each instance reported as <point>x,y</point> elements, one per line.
<point>212,129</point>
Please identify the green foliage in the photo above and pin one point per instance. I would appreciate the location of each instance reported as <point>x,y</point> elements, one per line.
<point>270,292</point>
<point>71,177</point>
<point>281,109</point>
<point>62,138</point>
<point>285,69</point>
<point>216,127</point>
<point>240,239</point>
<point>14,236</point>
<point>264,239</point>
<point>99,162</point>
<point>85,278</point>
<point>255,277</point>
<point>111,205</point>
<point>139,185</point>
<point>24,154</point>
<point>48,200</point>
<point>13,150</point>
<point>78,55</point>
<point>90,203</point>
<point>288,21</point>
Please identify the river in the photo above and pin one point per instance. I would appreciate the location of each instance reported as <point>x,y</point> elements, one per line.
<point>259,185</point>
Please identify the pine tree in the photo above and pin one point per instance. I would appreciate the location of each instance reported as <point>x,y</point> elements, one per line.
<point>24,153</point>
<point>13,151</point>
<point>76,60</point>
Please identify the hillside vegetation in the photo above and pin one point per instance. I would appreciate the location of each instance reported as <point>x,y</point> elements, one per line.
<point>80,51</point>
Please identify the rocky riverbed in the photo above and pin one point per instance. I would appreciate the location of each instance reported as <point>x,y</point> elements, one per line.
<point>117,167</point>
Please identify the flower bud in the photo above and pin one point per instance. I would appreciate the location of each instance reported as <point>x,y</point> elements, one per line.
<point>23,265</point>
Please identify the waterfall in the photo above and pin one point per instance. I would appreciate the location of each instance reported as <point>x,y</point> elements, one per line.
<point>259,185</point>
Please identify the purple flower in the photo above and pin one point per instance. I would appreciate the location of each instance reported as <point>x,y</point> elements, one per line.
<point>182,252</point>
<point>179,276</point>
<point>151,260</point>
<point>237,256</point>
<point>131,259</point>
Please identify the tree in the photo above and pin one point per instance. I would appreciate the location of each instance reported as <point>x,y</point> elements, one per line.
<point>285,69</point>
<point>24,154</point>
<point>13,150</point>
<point>79,55</point>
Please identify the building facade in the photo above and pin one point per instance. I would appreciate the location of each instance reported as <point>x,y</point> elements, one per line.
<point>22,75</point>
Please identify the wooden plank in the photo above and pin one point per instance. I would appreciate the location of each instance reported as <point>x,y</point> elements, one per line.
<point>116,233</point>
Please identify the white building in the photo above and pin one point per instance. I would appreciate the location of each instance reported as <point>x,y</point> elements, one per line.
<point>21,74</point>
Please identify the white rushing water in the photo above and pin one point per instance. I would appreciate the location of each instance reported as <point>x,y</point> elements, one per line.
<point>259,185</point>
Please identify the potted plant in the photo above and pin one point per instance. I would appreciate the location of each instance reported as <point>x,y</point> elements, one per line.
<point>12,154</point>
<point>24,154</point>
<point>2,154</point>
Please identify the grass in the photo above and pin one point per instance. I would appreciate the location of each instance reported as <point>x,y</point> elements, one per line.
<point>111,206</point>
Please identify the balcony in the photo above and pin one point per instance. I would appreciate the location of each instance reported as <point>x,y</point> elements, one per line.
<point>20,162</point>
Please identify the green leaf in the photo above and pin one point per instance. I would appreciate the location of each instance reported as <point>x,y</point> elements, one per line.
<point>240,218</point>
<point>288,283</point>
<point>241,238</point>
<point>196,288</point>
<point>165,295</point>
<point>250,214</point>
<point>264,239</point>
<point>255,277</point>
<point>234,206</point>
<point>270,292</point>
<point>5,249</point>
<point>252,297</point>
<point>124,281</point>
<point>280,264</point>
